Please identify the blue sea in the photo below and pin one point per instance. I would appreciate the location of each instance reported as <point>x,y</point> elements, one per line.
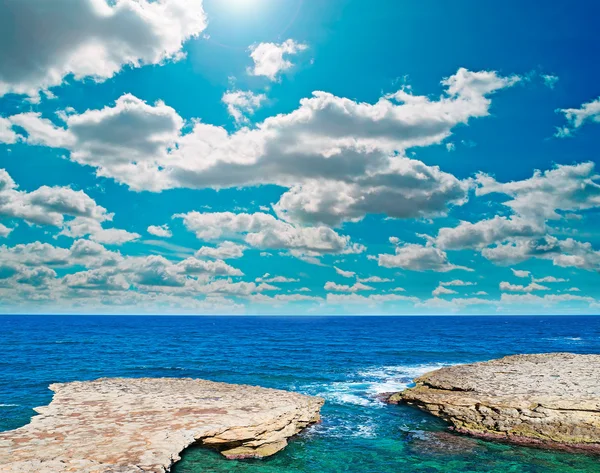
<point>347,360</point>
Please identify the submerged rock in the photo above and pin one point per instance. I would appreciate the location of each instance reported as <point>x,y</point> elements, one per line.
<point>550,400</point>
<point>142,425</point>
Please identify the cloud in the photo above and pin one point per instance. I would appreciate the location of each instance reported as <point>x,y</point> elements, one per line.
<point>550,80</point>
<point>267,278</point>
<point>264,231</point>
<point>89,38</point>
<point>563,253</point>
<point>5,231</point>
<point>374,279</point>
<point>457,282</point>
<point>331,286</point>
<point>485,232</point>
<point>520,274</point>
<point>160,231</point>
<point>340,159</point>
<point>455,304</point>
<point>240,104</point>
<point>47,205</point>
<point>565,187</point>
<point>505,286</point>
<point>415,257</point>
<point>550,279</point>
<point>346,274</point>
<point>7,135</point>
<point>81,227</point>
<point>216,268</point>
<point>546,300</point>
<point>442,290</point>
<point>270,58</point>
<point>577,117</point>
<point>225,250</point>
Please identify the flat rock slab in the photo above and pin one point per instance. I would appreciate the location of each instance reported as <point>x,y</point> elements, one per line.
<point>550,400</point>
<point>142,425</point>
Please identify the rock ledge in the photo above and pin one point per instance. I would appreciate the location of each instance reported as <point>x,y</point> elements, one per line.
<point>548,400</point>
<point>142,425</point>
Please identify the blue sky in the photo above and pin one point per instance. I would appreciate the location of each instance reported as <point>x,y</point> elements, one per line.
<point>299,156</point>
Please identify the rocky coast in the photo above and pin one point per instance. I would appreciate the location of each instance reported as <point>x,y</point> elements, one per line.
<point>547,400</point>
<point>118,425</point>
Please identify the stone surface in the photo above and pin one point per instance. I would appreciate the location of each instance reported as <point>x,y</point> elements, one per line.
<point>142,425</point>
<point>550,400</point>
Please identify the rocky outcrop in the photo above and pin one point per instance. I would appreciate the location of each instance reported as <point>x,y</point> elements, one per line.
<point>550,400</point>
<point>142,425</point>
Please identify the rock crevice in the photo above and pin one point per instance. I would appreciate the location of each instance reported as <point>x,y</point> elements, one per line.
<point>115,425</point>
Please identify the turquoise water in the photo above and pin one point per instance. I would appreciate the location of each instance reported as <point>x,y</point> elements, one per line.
<point>346,360</point>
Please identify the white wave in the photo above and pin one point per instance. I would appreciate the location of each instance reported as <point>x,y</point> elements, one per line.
<point>9,405</point>
<point>362,387</point>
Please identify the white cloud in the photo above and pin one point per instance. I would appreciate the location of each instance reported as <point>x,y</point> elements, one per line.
<point>417,257</point>
<point>485,232</point>
<point>547,300</point>
<point>563,253</point>
<point>270,59</point>
<point>47,205</point>
<point>240,103</point>
<point>225,250</point>
<point>346,274</point>
<point>89,38</point>
<point>457,282</point>
<point>455,304</point>
<point>550,80</point>
<point>565,188</point>
<point>7,135</point>
<point>262,230</point>
<point>438,291</point>
<point>374,279</point>
<point>5,231</point>
<point>331,286</point>
<point>81,227</point>
<point>160,231</point>
<point>506,286</point>
<point>216,268</point>
<point>574,289</point>
<point>340,159</point>
<point>520,273</point>
<point>577,117</point>
<point>275,279</point>
<point>550,279</point>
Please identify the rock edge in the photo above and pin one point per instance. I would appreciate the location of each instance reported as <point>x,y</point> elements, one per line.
<point>547,400</point>
<point>117,425</point>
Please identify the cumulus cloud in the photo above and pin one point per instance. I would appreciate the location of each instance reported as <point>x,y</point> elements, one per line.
<point>5,231</point>
<point>374,279</point>
<point>331,286</point>
<point>346,274</point>
<point>89,38</point>
<point>520,273</point>
<point>80,227</point>
<point>160,231</point>
<point>438,291</point>
<point>577,117</point>
<point>47,205</point>
<point>262,230</point>
<point>267,278</point>
<point>416,257</point>
<point>506,286</point>
<point>240,104</point>
<point>457,282</point>
<point>563,253</point>
<point>225,250</point>
<point>270,59</point>
<point>340,159</point>
<point>550,279</point>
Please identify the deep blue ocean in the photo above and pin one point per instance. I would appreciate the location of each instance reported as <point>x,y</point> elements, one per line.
<point>347,360</point>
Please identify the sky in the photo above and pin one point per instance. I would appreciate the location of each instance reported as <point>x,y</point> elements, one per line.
<point>299,157</point>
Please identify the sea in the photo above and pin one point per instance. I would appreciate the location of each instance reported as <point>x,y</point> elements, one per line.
<point>346,360</point>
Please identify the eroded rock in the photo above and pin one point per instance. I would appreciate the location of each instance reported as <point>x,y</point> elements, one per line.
<point>550,400</point>
<point>142,425</point>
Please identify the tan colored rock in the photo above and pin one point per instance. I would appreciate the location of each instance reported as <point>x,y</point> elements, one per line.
<point>550,400</point>
<point>142,425</point>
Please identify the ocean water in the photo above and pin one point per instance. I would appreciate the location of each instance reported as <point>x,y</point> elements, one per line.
<point>347,360</point>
